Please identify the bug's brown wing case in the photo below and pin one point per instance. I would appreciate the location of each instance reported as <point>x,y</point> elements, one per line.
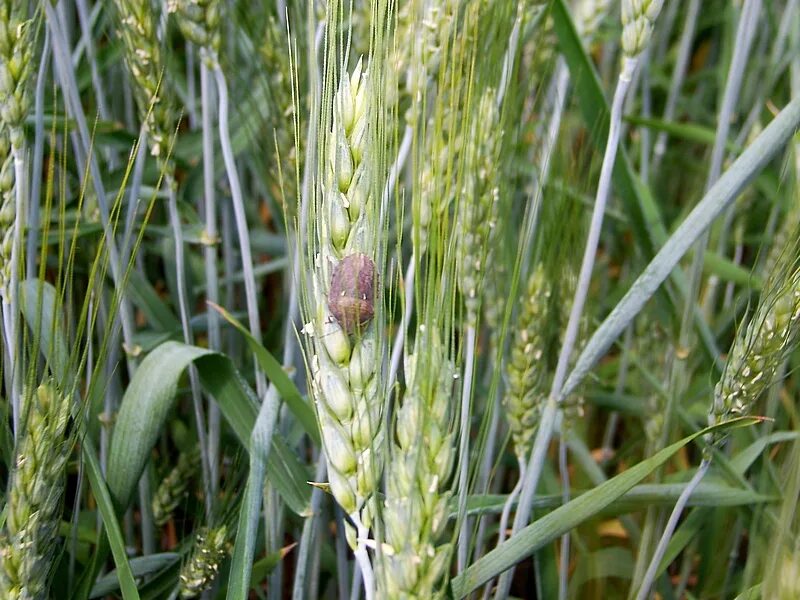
<point>352,292</point>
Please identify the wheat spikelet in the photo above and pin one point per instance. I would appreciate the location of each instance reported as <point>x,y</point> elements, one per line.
<point>589,15</point>
<point>34,498</point>
<point>137,28</point>
<point>199,22</point>
<point>527,370</point>
<point>210,549</point>
<point>416,560</point>
<point>478,206</point>
<point>638,18</point>
<point>429,25</point>
<point>16,52</point>
<point>173,487</point>
<point>760,348</point>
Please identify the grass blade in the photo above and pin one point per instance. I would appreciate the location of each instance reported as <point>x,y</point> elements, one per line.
<point>719,197</point>
<point>277,375</point>
<point>147,402</point>
<point>105,504</point>
<point>570,515</point>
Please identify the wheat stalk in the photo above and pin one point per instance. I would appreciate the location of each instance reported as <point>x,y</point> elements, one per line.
<point>638,18</point>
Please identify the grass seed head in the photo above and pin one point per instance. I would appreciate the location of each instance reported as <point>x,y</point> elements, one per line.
<point>173,487</point>
<point>419,473</point>
<point>638,19</point>
<point>35,497</point>
<point>760,349</point>
<point>479,202</point>
<point>210,549</point>
<point>527,368</point>
<point>345,361</point>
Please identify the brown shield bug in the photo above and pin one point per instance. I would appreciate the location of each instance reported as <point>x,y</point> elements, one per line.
<point>352,292</point>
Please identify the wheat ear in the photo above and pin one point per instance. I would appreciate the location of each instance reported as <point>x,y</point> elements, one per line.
<point>35,494</point>
<point>16,53</point>
<point>415,558</point>
<point>477,213</point>
<point>345,343</point>
<point>173,487</point>
<point>202,568</point>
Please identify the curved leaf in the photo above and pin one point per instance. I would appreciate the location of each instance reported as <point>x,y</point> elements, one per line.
<point>147,402</point>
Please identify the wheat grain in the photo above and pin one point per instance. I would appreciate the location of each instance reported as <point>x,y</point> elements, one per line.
<point>638,19</point>
<point>199,22</point>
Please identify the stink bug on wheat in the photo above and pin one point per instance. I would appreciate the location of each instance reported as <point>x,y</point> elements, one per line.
<point>352,292</point>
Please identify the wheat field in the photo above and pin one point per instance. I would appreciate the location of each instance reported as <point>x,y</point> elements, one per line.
<point>399,299</point>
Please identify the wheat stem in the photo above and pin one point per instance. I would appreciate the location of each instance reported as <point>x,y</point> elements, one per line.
<point>570,336</point>
<point>188,337</point>
<point>135,186</point>
<point>210,258</point>
<point>745,34</point>
<point>239,214</point>
<point>563,469</point>
<point>463,448</point>
<point>308,535</point>
<point>38,156</point>
<point>362,557</point>
<point>677,370</point>
<point>678,77</point>
<point>408,311</point>
<point>669,530</point>
<point>505,516</point>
